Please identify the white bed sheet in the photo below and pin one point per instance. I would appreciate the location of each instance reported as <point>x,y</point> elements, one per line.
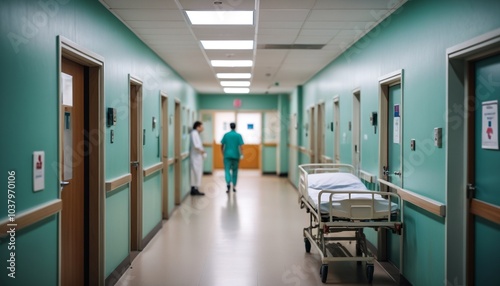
<point>347,205</point>
<point>342,205</point>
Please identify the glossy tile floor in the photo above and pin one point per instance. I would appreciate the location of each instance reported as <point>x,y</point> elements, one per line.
<point>249,238</point>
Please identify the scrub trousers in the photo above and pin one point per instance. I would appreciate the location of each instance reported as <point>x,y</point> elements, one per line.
<point>231,170</point>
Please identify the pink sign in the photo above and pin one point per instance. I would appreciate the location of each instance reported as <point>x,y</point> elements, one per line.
<point>237,103</point>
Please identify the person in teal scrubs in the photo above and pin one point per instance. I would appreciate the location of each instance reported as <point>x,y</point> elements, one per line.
<point>231,150</point>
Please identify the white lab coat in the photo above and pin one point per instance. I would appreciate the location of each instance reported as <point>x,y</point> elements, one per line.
<point>196,158</point>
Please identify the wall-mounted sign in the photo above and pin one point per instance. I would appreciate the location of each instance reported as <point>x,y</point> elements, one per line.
<point>396,125</point>
<point>237,103</point>
<point>38,170</point>
<point>489,130</point>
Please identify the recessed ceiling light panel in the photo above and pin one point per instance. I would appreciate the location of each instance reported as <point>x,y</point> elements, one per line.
<point>220,17</point>
<point>234,75</point>
<point>228,45</point>
<point>231,63</point>
<point>240,83</point>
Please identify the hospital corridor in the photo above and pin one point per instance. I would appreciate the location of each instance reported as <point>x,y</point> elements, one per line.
<point>251,237</point>
<point>249,142</point>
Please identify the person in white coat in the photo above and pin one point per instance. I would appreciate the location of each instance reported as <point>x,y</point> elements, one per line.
<point>196,156</point>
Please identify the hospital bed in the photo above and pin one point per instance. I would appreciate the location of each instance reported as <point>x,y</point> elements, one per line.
<point>338,201</point>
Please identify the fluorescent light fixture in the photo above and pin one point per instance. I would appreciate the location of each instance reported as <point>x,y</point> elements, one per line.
<point>235,83</point>
<point>220,17</point>
<point>236,90</point>
<point>234,75</point>
<point>228,45</point>
<point>232,63</point>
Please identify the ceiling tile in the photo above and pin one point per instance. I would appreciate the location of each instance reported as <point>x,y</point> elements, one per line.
<point>162,25</point>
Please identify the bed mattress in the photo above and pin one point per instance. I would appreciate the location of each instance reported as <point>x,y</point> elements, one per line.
<point>352,200</point>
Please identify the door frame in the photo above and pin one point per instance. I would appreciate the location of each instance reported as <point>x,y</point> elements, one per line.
<point>336,129</point>
<point>312,133</point>
<point>320,132</point>
<point>385,81</point>
<point>177,150</point>
<point>356,129</point>
<point>164,150</point>
<point>97,198</point>
<point>458,77</point>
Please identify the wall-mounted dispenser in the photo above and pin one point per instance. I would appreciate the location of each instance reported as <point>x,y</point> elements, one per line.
<point>111,117</point>
<point>438,136</point>
<point>374,121</point>
<point>373,118</point>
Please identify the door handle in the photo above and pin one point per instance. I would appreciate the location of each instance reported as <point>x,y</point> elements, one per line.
<point>397,173</point>
<point>135,164</point>
<point>471,190</point>
<point>385,170</point>
<point>63,184</point>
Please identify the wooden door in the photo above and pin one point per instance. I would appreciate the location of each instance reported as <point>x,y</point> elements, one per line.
<point>74,162</point>
<point>136,142</point>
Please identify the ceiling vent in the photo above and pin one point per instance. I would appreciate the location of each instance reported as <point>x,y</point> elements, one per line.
<point>291,47</point>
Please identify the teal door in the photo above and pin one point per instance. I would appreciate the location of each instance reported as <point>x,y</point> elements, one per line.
<point>394,140</point>
<point>485,232</point>
<point>208,140</point>
<point>394,162</point>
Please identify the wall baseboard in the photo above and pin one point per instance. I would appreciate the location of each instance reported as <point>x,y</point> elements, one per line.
<point>151,234</point>
<point>389,267</point>
<point>118,272</point>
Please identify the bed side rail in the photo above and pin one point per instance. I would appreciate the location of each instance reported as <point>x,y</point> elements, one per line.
<point>360,208</point>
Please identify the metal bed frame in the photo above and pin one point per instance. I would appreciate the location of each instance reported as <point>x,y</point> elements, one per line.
<point>323,224</point>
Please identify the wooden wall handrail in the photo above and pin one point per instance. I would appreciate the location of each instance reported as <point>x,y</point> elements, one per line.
<point>31,216</point>
<point>184,155</point>
<point>270,144</point>
<point>420,201</point>
<point>485,210</point>
<point>207,145</point>
<point>304,150</point>
<point>170,161</point>
<point>118,182</point>
<point>153,169</point>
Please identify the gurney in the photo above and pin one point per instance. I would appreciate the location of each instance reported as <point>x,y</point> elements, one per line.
<point>338,201</point>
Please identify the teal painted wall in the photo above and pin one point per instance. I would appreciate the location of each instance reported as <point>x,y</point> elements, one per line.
<point>117,242</point>
<point>269,159</point>
<point>29,51</point>
<point>151,203</point>
<point>415,39</point>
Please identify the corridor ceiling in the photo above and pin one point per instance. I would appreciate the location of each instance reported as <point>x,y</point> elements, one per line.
<point>293,39</point>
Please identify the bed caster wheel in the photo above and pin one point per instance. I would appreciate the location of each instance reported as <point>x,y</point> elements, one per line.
<point>307,244</point>
<point>323,272</point>
<point>369,272</point>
